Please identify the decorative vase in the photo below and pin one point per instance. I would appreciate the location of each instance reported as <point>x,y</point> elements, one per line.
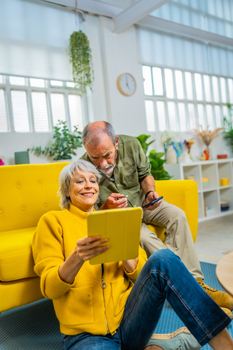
<point>171,155</point>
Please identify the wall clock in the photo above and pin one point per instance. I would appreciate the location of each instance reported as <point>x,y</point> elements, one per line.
<point>126,84</point>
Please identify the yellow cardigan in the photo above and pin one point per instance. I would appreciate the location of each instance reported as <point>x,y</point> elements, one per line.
<point>82,306</point>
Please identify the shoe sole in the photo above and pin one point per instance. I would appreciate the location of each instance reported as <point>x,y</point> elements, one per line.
<point>168,336</point>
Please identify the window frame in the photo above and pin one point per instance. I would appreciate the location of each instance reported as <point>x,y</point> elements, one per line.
<point>48,90</point>
<point>195,102</point>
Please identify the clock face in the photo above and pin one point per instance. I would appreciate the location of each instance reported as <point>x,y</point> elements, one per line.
<point>126,84</point>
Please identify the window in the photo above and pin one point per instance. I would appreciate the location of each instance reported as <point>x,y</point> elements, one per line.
<point>182,101</point>
<point>36,105</point>
<point>3,117</point>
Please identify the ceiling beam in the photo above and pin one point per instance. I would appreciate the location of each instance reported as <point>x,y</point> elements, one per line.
<point>180,29</point>
<point>90,6</point>
<point>135,13</point>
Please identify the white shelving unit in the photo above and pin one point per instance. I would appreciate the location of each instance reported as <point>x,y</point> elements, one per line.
<point>210,196</point>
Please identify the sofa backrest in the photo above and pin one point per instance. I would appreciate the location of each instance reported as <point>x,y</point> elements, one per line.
<point>27,192</point>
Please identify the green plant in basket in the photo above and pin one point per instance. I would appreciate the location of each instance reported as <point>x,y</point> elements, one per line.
<point>64,143</point>
<point>81,60</point>
<point>157,169</point>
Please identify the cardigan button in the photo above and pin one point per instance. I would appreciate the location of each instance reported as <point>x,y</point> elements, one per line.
<point>45,204</point>
<point>39,183</point>
<point>18,185</point>
<point>0,211</point>
<point>23,208</point>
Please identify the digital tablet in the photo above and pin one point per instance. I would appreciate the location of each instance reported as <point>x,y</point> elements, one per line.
<point>122,228</point>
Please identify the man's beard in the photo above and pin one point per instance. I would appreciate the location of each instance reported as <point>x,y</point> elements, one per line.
<point>108,169</point>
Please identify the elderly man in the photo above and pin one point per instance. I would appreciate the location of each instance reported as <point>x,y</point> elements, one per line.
<point>127,182</point>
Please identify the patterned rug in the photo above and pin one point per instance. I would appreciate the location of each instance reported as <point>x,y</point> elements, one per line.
<point>35,326</point>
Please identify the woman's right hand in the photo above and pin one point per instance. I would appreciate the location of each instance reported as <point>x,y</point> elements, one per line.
<point>86,248</point>
<point>89,247</point>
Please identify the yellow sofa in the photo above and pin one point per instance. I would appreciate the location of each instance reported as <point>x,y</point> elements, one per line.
<point>27,192</point>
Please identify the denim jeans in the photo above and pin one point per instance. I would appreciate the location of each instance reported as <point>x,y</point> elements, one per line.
<point>163,277</point>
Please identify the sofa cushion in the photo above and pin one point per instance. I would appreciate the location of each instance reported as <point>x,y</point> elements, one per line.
<point>16,261</point>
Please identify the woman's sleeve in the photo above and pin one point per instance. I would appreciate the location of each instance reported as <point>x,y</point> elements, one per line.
<point>47,248</point>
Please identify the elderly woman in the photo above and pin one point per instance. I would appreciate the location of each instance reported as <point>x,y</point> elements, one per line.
<point>122,315</point>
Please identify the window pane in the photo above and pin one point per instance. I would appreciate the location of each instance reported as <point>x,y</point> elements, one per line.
<point>207,88</point>
<point>218,116</point>
<point>75,112</point>
<point>161,115</point>
<point>37,82</point>
<point>157,80</point>
<point>40,111</point>
<point>179,84</point>
<point>58,108</point>
<point>56,83</point>
<point>146,72</point>
<point>226,112</point>
<point>223,89</point>
<point>201,119</point>
<point>189,85</point>
<point>69,84</point>
<point>172,116</point>
<point>3,117</point>
<point>1,79</point>
<point>182,117</point>
<point>17,81</point>
<point>20,111</point>
<point>198,84</point>
<point>215,89</point>
<point>169,83</point>
<point>150,120</point>
<point>230,87</point>
<point>210,118</point>
<point>191,116</point>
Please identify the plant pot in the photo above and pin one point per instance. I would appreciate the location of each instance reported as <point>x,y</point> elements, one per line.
<point>171,155</point>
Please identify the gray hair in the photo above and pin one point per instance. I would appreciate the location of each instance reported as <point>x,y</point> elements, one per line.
<point>95,135</point>
<point>67,173</point>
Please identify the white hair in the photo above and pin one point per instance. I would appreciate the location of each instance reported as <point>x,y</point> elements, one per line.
<point>67,173</point>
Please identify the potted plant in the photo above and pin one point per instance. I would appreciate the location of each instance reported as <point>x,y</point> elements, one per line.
<point>157,169</point>
<point>64,145</point>
<point>228,132</point>
<point>81,60</point>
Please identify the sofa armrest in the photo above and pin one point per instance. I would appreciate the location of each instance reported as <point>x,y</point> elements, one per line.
<point>183,194</point>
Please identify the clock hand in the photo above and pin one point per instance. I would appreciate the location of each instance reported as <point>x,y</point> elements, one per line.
<point>127,84</point>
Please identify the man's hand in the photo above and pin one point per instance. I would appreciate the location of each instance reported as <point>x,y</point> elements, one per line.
<point>151,197</point>
<point>115,201</point>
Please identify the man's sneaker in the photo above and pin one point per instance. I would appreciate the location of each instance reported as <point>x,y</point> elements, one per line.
<point>228,312</point>
<point>180,339</point>
<point>223,299</point>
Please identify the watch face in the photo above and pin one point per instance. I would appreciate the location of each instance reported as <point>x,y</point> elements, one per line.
<point>127,84</point>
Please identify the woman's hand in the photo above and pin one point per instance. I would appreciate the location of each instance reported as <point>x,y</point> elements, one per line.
<point>86,248</point>
<point>130,265</point>
<point>89,247</point>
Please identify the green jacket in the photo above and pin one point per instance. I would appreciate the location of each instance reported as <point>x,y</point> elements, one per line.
<point>131,168</point>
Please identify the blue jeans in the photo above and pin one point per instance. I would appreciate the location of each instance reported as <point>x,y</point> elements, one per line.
<point>163,277</point>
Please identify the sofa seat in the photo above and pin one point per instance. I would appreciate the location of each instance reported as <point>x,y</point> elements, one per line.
<point>16,261</point>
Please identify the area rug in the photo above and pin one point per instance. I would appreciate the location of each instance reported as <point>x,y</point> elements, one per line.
<point>35,326</point>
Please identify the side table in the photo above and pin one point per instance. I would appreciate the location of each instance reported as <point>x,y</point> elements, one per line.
<point>224,272</point>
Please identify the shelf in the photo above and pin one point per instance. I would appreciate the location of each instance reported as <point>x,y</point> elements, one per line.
<point>211,194</point>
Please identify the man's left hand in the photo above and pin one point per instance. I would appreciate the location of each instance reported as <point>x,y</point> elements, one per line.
<point>151,197</point>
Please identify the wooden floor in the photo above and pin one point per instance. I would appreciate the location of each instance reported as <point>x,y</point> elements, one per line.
<point>214,239</point>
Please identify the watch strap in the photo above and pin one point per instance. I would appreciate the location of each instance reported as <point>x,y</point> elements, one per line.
<point>147,194</point>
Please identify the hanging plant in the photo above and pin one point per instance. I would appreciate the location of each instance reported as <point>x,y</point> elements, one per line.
<point>81,60</point>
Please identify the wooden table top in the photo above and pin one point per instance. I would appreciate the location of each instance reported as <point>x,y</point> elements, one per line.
<point>224,272</point>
